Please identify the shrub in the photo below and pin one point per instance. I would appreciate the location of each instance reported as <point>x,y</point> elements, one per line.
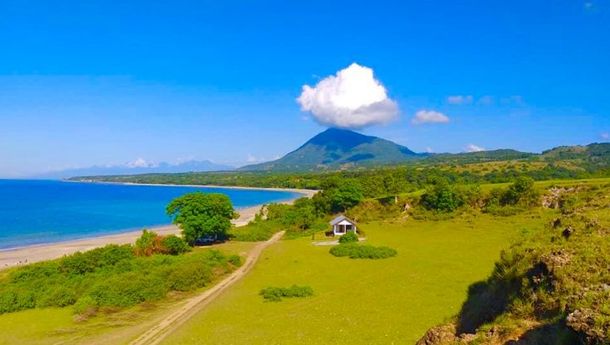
<point>349,237</point>
<point>81,263</point>
<point>235,260</point>
<point>175,245</point>
<point>189,277</point>
<point>148,244</point>
<point>275,294</point>
<point>124,290</point>
<point>357,251</point>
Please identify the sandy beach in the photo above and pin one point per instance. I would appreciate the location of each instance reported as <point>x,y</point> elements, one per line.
<point>42,252</point>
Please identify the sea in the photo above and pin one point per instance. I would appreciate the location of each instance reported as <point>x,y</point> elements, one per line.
<point>41,211</point>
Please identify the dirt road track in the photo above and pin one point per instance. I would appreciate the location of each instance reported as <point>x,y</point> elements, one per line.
<point>157,333</point>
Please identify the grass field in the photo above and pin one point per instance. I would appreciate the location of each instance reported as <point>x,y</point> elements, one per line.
<point>360,301</point>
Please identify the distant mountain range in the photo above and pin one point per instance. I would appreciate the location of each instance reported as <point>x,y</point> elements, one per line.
<point>134,169</point>
<point>336,148</point>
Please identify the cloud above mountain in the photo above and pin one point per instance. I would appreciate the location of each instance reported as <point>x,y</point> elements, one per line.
<point>429,116</point>
<point>352,98</point>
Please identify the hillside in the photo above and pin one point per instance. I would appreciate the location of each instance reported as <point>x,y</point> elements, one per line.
<point>336,148</point>
<point>551,288</point>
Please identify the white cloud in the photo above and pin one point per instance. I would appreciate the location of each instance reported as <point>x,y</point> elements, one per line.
<point>141,163</point>
<point>460,99</point>
<point>605,135</point>
<point>474,148</point>
<point>429,116</point>
<point>352,98</point>
<point>429,149</point>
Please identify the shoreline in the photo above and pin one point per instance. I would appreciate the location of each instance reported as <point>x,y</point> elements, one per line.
<point>17,256</point>
<point>304,192</point>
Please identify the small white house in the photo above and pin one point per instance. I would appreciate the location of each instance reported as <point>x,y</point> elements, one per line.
<point>341,225</point>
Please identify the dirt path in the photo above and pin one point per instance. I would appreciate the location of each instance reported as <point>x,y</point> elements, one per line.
<point>158,332</point>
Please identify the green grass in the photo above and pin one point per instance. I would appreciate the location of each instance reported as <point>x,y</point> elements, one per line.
<point>360,301</point>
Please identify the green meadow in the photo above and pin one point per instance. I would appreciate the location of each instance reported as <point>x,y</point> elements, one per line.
<point>389,301</point>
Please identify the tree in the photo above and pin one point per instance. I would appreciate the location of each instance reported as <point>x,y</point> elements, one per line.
<point>442,197</point>
<point>202,215</point>
<point>338,196</point>
<point>521,192</point>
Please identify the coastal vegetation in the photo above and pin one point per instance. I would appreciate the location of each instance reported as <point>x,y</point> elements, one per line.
<point>113,276</point>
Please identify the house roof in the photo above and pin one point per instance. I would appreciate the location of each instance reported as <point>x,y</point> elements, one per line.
<point>339,219</point>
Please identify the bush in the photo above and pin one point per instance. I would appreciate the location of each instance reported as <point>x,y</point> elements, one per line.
<point>349,237</point>
<point>275,294</point>
<point>175,245</point>
<point>148,244</point>
<point>235,260</point>
<point>81,263</point>
<point>189,277</point>
<point>124,290</point>
<point>357,251</point>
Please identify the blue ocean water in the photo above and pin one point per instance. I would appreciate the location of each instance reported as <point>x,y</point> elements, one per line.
<point>35,211</point>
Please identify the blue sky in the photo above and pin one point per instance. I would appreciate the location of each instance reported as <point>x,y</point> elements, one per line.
<point>92,82</point>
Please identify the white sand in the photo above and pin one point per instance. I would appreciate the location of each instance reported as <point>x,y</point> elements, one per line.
<point>35,253</point>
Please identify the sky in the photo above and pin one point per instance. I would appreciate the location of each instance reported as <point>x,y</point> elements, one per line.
<point>100,83</point>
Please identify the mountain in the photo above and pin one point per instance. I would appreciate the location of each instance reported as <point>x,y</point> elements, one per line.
<point>137,168</point>
<point>336,148</point>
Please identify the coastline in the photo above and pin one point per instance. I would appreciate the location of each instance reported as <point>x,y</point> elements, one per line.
<point>10,257</point>
<point>304,192</point>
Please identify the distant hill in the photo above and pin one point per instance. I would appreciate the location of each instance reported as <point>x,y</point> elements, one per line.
<point>595,151</point>
<point>129,169</point>
<point>478,157</point>
<point>336,148</point>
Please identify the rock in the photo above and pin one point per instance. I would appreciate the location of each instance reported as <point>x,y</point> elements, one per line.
<point>444,334</point>
<point>583,322</point>
<point>567,232</point>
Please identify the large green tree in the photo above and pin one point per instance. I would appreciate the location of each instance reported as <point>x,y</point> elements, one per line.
<point>202,215</point>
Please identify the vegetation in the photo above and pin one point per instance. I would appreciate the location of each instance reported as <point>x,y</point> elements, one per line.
<point>349,237</point>
<point>112,276</point>
<point>202,215</point>
<point>362,251</point>
<point>551,287</point>
<point>275,294</point>
<point>151,243</point>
